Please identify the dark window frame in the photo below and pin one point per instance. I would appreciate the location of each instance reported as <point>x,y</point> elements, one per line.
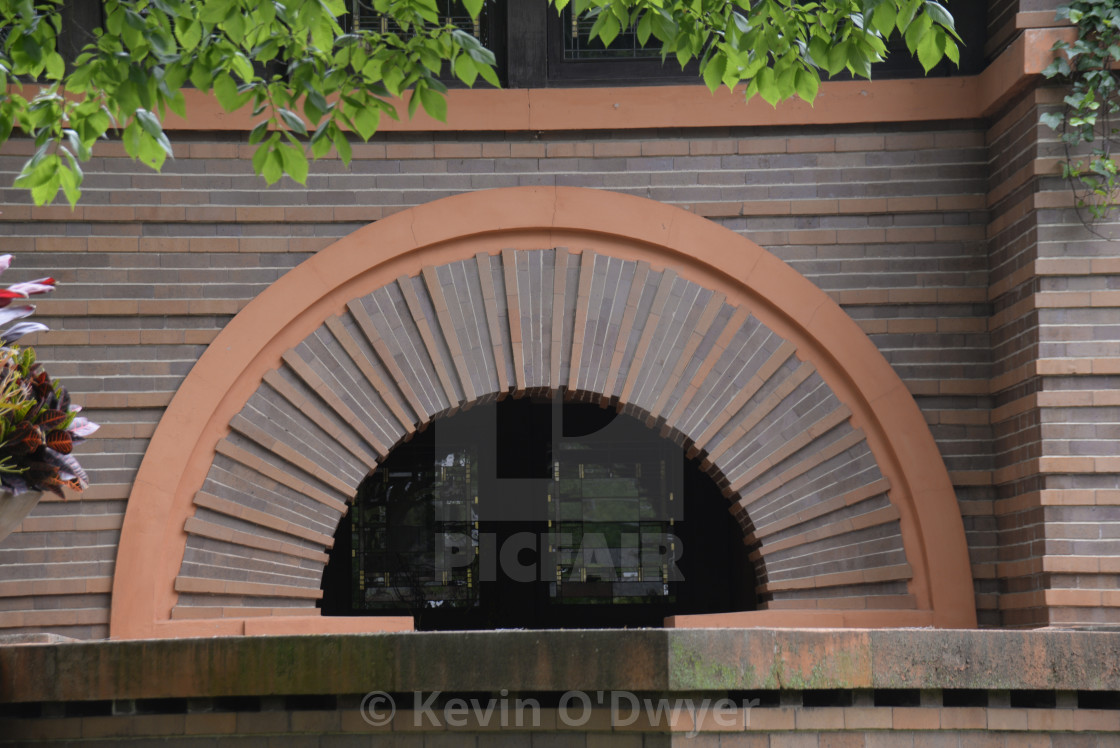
<point>527,39</point>
<point>534,52</point>
<point>609,72</point>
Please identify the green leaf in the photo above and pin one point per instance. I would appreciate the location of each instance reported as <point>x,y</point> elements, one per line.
<point>1053,120</point>
<point>366,120</point>
<point>234,26</point>
<point>818,51</point>
<point>342,145</point>
<point>257,134</point>
<point>787,82</point>
<point>884,19</point>
<point>225,89</point>
<point>243,67</point>
<point>320,146</point>
<point>151,153</point>
<point>838,57</point>
<point>430,59</point>
<point>311,107</point>
<point>938,14</point>
<point>188,32</point>
<point>768,86</point>
<point>917,31</point>
<point>70,181</point>
<point>474,7</point>
<point>858,62</point>
<point>807,85</point>
<point>292,120</point>
<point>150,124</point>
<point>465,69</point>
<point>473,47</point>
<point>259,157</point>
<point>178,104</point>
<point>215,11</point>
<point>393,79</point>
<point>952,52</point>
<point>30,47</point>
<point>162,44</point>
<point>114,20</point>
<point>77,147</point>
<point>713,71</point>
<point>273,165</point>
<point>39,169</point>
<point>488,74</point>
<point>201,75</point>
<point>295,163</point>
<point>906,12</point>
<point>645,28</point>
<point>606,28</point>
<point>6,126</point>
<point>44,193</point>
<point>684,54</point>
<point>929,51</point>
<point>56,68</point>
<point>434,103</point>
<point>752,89</point>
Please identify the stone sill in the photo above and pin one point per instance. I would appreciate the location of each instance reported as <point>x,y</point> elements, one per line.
<point>651,660</point>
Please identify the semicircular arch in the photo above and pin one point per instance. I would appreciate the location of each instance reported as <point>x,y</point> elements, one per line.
<point>825,458</point>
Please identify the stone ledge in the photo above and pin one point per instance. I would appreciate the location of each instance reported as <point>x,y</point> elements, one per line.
<point>695,660</point>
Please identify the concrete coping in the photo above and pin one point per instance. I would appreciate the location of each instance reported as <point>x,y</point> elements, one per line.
<point>654,660</point>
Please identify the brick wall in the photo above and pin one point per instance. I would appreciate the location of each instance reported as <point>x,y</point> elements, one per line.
<point>890,221</point>
<point>1055,366</point>
<point>278,724</point>
<point>948,244</point>
<point>1013,142</point>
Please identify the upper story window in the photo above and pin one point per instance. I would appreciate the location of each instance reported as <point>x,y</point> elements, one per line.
<point>363,16</point>
<point>574,59</point>
<point>578,44</point>
<point>537,47</point>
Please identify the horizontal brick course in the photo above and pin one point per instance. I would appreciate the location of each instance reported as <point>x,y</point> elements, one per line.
<point>893,224</point>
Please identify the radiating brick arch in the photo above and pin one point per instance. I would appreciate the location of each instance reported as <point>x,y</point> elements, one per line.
<point>825,459</point>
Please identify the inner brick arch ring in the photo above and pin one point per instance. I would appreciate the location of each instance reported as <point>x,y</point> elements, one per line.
<point>825,457</point>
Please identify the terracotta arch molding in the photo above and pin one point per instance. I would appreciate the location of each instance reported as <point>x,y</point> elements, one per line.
<point>715,341</point>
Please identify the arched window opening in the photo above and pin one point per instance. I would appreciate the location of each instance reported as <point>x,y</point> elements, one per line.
<point>535,514</point>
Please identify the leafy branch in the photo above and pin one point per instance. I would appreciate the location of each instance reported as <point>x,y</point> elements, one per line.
<point>291,62</point>
<point>1087,118</point>
<point>779,49</point>
<point>311,83</point>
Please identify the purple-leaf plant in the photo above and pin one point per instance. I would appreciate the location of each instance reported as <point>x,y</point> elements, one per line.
<point>39,426</point>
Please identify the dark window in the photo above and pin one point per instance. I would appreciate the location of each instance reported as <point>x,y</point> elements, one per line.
<point>488,28</point>
<point>522,514</point>
<point>573,59</point>
<point>79,19</point>
<point>578,44</point>
<point>362,15</point>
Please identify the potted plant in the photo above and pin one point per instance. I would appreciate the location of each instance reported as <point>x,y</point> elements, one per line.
<point>39,426</point>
